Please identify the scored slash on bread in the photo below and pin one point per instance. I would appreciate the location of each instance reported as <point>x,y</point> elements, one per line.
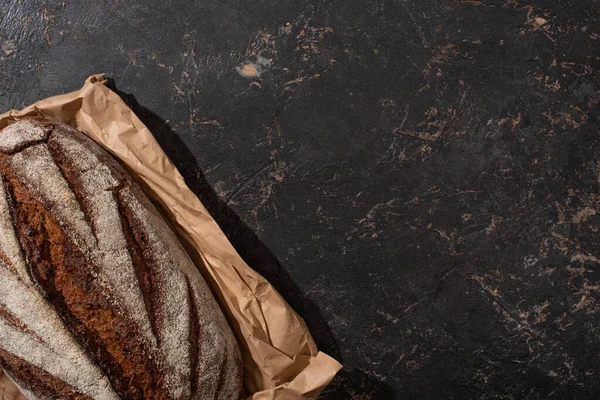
<point>98,299</point>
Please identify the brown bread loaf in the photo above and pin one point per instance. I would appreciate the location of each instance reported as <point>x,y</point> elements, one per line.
<point>98,299</point>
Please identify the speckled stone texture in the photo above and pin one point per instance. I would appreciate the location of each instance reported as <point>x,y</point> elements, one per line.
<point>419,178</point>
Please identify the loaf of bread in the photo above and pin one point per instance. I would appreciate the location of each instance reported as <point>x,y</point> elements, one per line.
<point>98,298</point>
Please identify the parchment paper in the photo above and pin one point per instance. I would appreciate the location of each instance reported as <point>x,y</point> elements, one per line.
<point>281,360</point>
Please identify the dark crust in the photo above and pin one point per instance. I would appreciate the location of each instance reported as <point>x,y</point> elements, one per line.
<point>11,202</point>
<point>221,381</point>
<point>195,339</point>
<point>66,278</point>
<point>73,179</point>
<point>7,262</point>
<point>36,380</point>
<point>13,320</point>
<point>23,146</point>
<point>143,268</point>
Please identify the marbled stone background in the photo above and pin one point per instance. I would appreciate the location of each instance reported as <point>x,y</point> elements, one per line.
<point>419,178</point>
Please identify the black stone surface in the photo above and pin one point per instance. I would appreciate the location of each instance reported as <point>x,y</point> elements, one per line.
<point>419,178</point>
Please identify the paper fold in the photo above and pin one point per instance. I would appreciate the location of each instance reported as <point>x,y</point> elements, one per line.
<point>281,360</point>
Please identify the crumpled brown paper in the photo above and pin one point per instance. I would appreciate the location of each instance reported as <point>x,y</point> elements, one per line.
<point>281,360</point>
